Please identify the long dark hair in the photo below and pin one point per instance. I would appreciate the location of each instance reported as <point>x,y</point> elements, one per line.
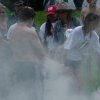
<point>48,28</point>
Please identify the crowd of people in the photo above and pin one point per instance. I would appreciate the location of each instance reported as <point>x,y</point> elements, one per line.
<point>61,30</point>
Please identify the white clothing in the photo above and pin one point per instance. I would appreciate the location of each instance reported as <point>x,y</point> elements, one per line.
<point>68,32</point>
<point>24,42</point>
<point>12,28</point>
<point>50,39</point>
<point>27,55</point>
<point>85,3</point>
<point>79,45</point>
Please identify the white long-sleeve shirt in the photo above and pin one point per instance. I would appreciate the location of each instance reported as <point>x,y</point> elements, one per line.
<point>79,45</point>
<point>50,39</point>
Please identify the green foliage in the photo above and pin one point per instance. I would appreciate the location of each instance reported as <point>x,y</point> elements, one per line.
<point>76,13</point>
<point>40,19</point>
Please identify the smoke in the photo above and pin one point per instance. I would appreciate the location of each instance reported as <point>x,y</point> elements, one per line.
<point>48,79</point>
<point>23,83</point>
<point>58,85</point>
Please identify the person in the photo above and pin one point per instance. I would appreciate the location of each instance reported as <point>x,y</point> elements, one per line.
<point>4,53</point>
<point>86,3</point>
<point>3,21</point>
<point>65,21</point>
<point>27,52</point>
<point>92,7</point>
<point>17,6</point>
<point>82,43</point>
<point>47,31</point>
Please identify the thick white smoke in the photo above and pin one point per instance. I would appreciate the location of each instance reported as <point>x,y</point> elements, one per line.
<point>37,79</point>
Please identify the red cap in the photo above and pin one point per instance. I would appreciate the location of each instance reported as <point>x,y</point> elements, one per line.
<point>52,9</point>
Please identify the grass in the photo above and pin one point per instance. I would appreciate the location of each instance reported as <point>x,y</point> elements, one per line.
<point>40,19</point>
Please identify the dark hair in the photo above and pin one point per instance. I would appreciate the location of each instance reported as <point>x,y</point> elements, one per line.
<point>91,17</point>
<point>48,28</point>
<point>26,13</point>
<point>19,3</point>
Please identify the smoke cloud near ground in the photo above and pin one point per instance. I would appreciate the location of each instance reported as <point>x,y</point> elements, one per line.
<point>48,79</point>
<point>55,84</point>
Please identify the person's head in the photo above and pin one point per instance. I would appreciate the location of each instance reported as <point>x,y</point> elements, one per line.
<point>51,13</point>
<point>91,21</point>
<point>17,6</point>
<point>26,14</point>
<point>64,10</point>
<point>92,3</point>
<point>3,11</point>
<point>51,18</point>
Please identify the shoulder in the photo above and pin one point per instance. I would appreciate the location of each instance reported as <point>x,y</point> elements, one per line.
<point>43,25</point>
<point>33,28</point>
<point>78,29</point>
<point>42,30</point>
<point>76,32</point>
<point>30,30</point>
<point>13,26</point>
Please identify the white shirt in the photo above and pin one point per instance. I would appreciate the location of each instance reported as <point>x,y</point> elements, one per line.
<point>24,43</point>
<point>50,39</point>
<point>13,27</point>
<point>79,45</point>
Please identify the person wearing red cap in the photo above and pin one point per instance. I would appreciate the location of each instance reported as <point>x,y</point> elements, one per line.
<point>47,32</point>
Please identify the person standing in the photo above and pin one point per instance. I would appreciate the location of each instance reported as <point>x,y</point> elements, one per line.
<point>81,45</point>
<point>65,21</point>
<point>47,31</point>
<point>17,6</point>
<point>27,53</point>
<point>3,21</point>
<point>4,53</point>
<point>92,7</point>
<point>86,4</point>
